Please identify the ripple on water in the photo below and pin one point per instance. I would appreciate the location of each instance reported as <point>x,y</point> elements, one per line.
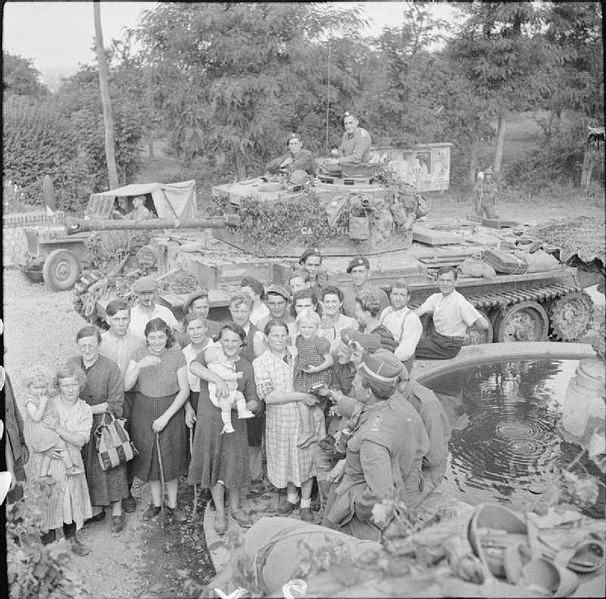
<point>512,439</point>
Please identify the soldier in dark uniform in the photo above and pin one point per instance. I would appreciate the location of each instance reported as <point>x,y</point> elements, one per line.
<point>384,452</point>
<point>296,159</point>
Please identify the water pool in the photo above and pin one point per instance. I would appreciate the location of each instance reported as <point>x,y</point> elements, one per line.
<point>506,444</point>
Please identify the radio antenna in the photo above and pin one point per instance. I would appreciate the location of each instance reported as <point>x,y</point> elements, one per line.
<point>327,95</point>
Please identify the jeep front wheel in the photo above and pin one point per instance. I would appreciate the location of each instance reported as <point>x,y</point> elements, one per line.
<point>60,270</point>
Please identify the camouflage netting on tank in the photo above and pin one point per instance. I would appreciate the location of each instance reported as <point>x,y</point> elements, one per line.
<point>581,236</point>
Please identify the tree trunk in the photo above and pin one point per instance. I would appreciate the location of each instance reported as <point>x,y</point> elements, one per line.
<point>108,120</point>
<point>498,154</point>
<point>587,169</point>
<point>240,167</point>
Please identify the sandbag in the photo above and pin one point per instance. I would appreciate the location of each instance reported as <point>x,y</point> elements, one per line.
<point>476,268</point>
<point>541,261</point>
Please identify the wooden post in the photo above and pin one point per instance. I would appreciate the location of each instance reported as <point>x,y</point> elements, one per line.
<point>108,120</point>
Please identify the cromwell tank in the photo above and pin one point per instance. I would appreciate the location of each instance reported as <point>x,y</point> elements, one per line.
<point>275,224</point>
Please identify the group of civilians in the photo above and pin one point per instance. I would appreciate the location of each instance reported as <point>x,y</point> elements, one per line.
<point>324,377</point>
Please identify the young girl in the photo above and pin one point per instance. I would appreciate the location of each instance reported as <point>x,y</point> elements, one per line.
<point>217,362</point>
<point>312,366</point>
<point>40,414</point>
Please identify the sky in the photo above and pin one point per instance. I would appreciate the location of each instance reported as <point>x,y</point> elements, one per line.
<point>58,36</point>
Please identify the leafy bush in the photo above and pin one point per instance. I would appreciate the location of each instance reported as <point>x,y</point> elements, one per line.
<point>39,142</point>
<point>36,570</point>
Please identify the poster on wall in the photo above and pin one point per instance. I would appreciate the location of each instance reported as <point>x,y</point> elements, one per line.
<point>426,167</point>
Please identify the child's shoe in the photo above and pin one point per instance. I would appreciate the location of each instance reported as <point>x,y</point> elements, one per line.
<point>227,428</point>
<point>246,414</point>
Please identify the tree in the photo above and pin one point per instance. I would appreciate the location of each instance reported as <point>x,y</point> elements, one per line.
<point>235,78</point>
<point>105,99</point>
<point>19,77</point>
<point>500,51</point>
<point>574,30</point>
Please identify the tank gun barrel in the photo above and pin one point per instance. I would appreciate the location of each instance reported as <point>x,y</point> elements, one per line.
<point>75,225</point>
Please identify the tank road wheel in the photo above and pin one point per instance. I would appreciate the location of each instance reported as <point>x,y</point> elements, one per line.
<point>60,270</point>
<point>571,315</point>
<point>477,337</point>
<point>526,321</point>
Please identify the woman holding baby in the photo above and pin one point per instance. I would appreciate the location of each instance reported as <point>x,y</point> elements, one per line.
<point>220,456</point>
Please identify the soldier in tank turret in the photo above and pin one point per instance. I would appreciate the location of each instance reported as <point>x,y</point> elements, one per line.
<point>354,149</point>
<point>295,159</point>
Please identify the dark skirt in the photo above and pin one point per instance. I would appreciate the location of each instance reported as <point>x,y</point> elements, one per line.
<point>255,427</point>
<point>104,486</point>
<point>218,457</point>
<point>173,439</point>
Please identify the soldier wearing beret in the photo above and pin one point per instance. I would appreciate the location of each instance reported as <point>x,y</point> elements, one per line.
<point>384,452</point>
<point>359,268</point>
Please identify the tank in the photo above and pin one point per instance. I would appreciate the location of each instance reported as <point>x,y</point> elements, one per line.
<point>520,305</point>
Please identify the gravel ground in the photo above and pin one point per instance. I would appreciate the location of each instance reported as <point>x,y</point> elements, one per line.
<point>143,561</point>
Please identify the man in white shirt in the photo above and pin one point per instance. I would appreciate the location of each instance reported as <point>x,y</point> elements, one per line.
<point>452,316</point>
<point>146,308</point>
<point>404,324</point>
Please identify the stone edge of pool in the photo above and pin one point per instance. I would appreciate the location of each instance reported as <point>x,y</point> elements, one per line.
<point>474,355</point>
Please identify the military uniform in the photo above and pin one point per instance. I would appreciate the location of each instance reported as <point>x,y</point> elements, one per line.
<point>355,147</point>
<point>301,161</point>
<point>426,403</point>
<point>384,458</point>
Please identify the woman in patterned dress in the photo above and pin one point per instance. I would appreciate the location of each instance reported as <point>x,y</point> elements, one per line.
<point>104,393</point>
<point>288,465</point>
<point>69,503</point>
<point>159,375</point>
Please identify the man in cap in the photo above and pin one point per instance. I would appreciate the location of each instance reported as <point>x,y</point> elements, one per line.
<point>403,323</point>
<point>296,159</point>
<point>330,451</point>
<point>384,452</point>
<point>452,315</point>
<point>146,308</point>
<point>354,150</point>
<point>198,303</point>
<point>277,299</point>
<point>359,268</point>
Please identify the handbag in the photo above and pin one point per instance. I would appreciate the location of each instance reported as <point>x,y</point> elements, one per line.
<point>113,443</point>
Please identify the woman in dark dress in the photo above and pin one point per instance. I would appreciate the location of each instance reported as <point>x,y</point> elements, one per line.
<point>159,376</point>
<point>103,392</point>
<point>220,461</point>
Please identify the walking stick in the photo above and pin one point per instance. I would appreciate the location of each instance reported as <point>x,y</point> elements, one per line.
<point>161,479</point>
<point>191,453</point>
